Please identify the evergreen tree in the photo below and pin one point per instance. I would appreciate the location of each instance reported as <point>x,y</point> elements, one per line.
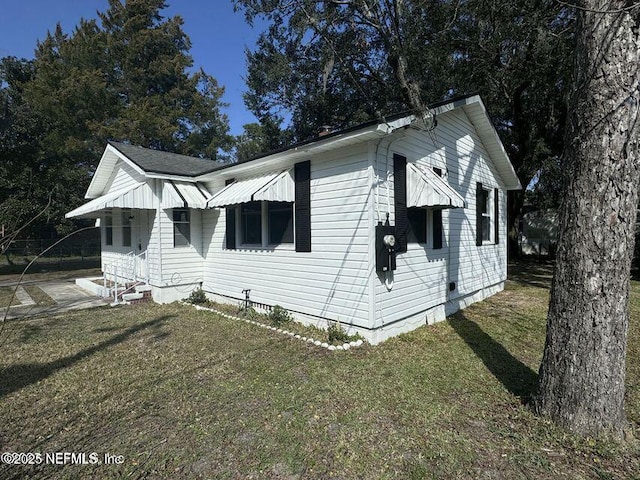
<point>20,136</point>
<point>125,77</point>
<point>341,62</point>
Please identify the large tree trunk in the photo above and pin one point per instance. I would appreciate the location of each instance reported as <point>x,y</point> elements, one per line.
<point>582,376</point>
<point>515,202</point>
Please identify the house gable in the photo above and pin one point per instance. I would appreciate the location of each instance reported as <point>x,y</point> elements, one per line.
<point>122,176</point>
<point>112,167</point>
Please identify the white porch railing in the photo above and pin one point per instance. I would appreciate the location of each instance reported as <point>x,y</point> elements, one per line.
<point>123,269</point>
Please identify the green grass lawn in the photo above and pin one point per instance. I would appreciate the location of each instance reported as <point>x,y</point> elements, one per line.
<point>182,393</point>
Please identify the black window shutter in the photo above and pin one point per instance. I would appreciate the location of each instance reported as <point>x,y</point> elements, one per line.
<point>496,211</point>
<point>417,225</point>
<point>437,220</point>
<point>400,195</point>
<point>479,205</point>
<point>437,228</point>
<point>302,173</point>
<point>230,217</point>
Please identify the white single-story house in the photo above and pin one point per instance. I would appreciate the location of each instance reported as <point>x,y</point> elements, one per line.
<point>383,227</point>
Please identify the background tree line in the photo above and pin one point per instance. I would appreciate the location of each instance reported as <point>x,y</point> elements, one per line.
<point>123,77</point>
<point>126,77</point>
<point>339,62</point>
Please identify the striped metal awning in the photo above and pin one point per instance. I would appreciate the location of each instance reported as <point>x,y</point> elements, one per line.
<point>425,188</point>
<point>138,196</point>
<point>184,195</point>
<point>274,187</point>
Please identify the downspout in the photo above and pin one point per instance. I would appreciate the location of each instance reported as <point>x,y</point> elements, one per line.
<point>389,280</point>
<point>158,184</point>
<point>387,173</point>
<point>372,153</point>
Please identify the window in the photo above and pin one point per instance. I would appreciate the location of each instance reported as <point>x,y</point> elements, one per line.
<point>108,230</point>
<point>181,227</point>
<point>265,223</point>
<point>268,224</point>
<point>418,225</point>
<point>126,228</point>
<point>280,222</point>
<point>486,216</point>
<point>251,223</point>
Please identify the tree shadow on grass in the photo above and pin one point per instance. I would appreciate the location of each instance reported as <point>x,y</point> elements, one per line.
<point>516,377</point>
<point>530,272</point>
<point>18,376</point>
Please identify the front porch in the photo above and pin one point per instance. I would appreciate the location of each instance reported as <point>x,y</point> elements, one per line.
<point>126,277</point>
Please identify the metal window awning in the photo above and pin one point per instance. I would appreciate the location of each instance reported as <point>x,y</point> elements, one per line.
<point>274,187</point>
<point>138,196</point>
<point>425,188</point>
<point>184,195</point>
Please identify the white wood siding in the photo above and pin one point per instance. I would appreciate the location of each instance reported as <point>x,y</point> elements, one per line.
<point>123,176</point>
<point>331,281</point>
<point>422,278</point>
<point>181,265</point>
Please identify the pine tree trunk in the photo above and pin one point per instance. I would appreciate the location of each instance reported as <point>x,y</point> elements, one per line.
<point>515,202</point>
<point>582,375</point>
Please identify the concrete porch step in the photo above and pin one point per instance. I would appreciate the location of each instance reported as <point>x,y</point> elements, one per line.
<point>144,289</point>
<point>127,297</point>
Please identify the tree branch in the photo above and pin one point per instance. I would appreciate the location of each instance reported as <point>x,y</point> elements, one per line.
<point>590,10</point>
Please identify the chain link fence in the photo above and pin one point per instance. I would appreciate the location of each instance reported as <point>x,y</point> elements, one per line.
<point>80,252</point>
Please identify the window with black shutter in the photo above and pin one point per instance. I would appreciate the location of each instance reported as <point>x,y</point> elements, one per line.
<point>418,225</point>
<point>400,201</point>
<point>437,229</point>
<point>230,223</point>
<point>479,207</point>
<point>496,217</point>
<point>437,220</point>
<point>302,172</point>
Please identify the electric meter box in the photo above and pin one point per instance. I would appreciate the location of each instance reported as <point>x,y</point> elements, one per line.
<point>385,248</point>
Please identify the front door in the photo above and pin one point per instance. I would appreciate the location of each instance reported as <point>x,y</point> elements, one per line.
<point>141,231</point>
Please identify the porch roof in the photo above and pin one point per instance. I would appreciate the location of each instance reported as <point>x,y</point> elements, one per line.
<point>425,188</point>
<point>139,196</point>
<point>276,187</point>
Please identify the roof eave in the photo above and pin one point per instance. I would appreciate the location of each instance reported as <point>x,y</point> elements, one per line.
<point>489,136</point>
<point>304,150</point>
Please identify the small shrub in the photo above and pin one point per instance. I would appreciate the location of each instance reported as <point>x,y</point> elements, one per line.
<point>249,313</point>
<point>197,297</point>
<point>279,316</point>
<point>337,335</point>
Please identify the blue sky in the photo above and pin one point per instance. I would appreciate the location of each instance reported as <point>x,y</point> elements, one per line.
<point>218,36</point>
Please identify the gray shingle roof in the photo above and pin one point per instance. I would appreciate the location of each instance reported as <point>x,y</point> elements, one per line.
<point>156,161</point>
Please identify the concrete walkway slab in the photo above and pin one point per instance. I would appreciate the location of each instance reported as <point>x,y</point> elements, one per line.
<point>66,294</point>
<point>23,297</point>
